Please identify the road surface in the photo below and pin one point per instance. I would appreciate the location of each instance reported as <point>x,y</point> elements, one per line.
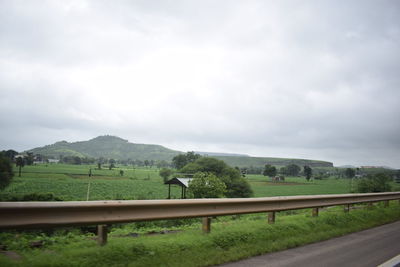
<point>370,247</point>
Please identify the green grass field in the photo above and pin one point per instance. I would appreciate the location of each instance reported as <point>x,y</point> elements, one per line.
<point>232,237</point>
<point>70,182</point>
<point>228,241</point>
<point>298,186</point>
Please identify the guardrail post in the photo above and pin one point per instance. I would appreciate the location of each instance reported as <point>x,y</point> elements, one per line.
<point>271,217</point>
<point>347,208</point>
<point>386,203</point>
<point>206,225</point>
<point>315,212</point>
<point>102,234</point>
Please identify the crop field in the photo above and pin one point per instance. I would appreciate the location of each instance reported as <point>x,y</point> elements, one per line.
<point>263,187</point>
<point>151,243</point>
<point>71,182</point>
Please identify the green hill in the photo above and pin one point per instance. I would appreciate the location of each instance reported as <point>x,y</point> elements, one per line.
<point>262,161</point>
<point>117,148</point>
<point>107,147</point>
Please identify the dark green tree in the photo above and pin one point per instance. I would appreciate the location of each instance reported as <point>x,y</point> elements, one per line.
<point>77,160</point>
<point>19,162</point>
<point>10,154</point>
<point>397,176</point>
<point>111,163</point>
<point>350,173</point>
<point>379,182</point>
<point>307,172</point>
<point>179,161</point>
<point>236,185</point>
<point>6,172</point>
<point>292,170</point>
<point>165,173</point>
<point>29,158</point>
<point>206,185</point>
<point>269,170</point>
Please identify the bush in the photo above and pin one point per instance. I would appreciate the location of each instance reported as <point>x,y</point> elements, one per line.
<point>6,172</point>
<point>374,183</point>
<point>236,185</point>
<point>206,185</point>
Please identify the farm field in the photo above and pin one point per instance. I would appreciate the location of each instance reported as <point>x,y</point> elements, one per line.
<point>151,243</point>
<point>70,182</point>
<point>292,186</point>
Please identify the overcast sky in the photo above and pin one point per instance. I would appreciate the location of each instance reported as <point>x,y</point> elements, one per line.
<point>298,79</point>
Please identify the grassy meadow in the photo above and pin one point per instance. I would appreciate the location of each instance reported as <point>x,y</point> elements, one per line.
<point>153,243</point>
<point>71,182</point>
<point>229,240</point>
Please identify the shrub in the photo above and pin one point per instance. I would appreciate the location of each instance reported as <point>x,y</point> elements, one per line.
<point>374,183</point>
<point>6,173</point>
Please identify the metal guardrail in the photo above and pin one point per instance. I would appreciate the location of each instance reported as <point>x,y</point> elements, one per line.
<point>14,215</point>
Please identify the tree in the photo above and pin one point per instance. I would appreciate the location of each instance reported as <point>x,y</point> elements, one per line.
<point>19,162</point>
<point>77,160</point>
<point>379,182</point>
<point>350,173</point>
<point>111,163</point>
<point>307,172</point>
<point>10,154</point>
<point>179,161</point>
<point>236,185</point>
<point>269,170</point>
<point>206,185</point>
<point>121,172</point>
<point>292,170</point>
<point>165,173</point>
<point>6,172</point>
<point>29,158</point>
<point>162,164</point>
<point>397,176</point>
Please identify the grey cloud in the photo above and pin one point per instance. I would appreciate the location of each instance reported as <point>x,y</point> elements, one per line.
<point>310,79</point>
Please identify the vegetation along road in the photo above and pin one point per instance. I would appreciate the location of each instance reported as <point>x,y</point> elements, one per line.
<point>370,247</point>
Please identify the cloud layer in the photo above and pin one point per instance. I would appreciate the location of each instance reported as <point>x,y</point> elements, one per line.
<point>288,78</point>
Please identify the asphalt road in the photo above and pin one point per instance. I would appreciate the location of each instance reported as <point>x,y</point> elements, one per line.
<point>371,247</point>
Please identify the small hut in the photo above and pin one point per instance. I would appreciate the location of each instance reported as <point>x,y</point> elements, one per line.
<point>182,182</point>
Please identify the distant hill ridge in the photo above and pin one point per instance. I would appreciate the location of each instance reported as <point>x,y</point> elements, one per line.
<point>114,147</point>
<point>107,146</point>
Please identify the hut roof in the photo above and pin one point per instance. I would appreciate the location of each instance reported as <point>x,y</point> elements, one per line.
<point>180,181</point>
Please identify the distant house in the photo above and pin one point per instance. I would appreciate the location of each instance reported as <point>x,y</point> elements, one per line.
<point>53,160</point>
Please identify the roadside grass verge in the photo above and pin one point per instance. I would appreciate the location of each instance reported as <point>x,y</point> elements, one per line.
<point>229,240</point>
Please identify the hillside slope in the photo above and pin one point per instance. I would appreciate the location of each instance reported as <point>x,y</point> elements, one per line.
<point>107,147</point>
<point>262,161</point>
<point>117,148</point>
